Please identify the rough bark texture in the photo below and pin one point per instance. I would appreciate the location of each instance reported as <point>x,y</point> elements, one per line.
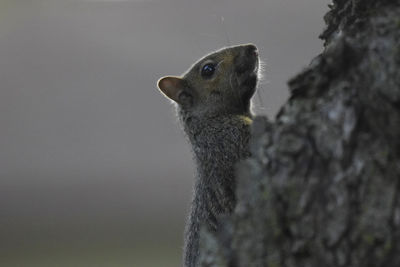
<point>322,187</point>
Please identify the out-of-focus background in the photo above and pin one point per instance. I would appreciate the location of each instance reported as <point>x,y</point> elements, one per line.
<point>94,169</point>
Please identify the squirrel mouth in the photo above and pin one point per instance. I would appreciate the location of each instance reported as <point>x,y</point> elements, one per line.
<point>247,77</point>
<point>247,71</point>
<point>246,66</point>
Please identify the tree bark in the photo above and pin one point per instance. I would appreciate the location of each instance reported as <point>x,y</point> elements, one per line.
<point>322,187</point>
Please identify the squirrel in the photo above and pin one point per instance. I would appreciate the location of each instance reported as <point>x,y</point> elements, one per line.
<point>213,105</point>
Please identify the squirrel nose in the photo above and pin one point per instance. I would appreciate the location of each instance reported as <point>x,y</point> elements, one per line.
<point>251,50</point>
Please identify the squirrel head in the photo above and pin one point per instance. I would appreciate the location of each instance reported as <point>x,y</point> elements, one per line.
<point>222,82</point>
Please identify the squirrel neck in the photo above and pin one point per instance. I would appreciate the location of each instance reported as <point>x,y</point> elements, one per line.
<point>218,143</point>
<point>210,134</point>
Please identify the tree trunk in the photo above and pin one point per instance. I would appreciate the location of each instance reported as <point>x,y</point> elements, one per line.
<point>322,187</point>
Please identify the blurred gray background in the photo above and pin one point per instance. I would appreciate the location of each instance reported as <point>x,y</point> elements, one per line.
<point>94,169</point>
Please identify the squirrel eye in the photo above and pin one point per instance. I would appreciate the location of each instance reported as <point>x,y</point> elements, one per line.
<point>208,70</point>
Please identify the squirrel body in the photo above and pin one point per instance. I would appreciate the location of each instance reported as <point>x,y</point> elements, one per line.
<point>213,99</point>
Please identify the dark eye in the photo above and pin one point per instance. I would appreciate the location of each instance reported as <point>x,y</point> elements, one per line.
<point>208,70</point>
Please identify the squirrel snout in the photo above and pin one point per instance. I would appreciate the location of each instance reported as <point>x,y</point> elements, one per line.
<point>251,50</point>
<point>247,59</point>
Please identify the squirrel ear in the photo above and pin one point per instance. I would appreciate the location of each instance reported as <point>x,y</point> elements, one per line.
<point>171,87</point>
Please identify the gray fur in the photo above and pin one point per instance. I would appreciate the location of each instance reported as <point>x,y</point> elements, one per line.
<point>218,144</point>
<point>215,114</point>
